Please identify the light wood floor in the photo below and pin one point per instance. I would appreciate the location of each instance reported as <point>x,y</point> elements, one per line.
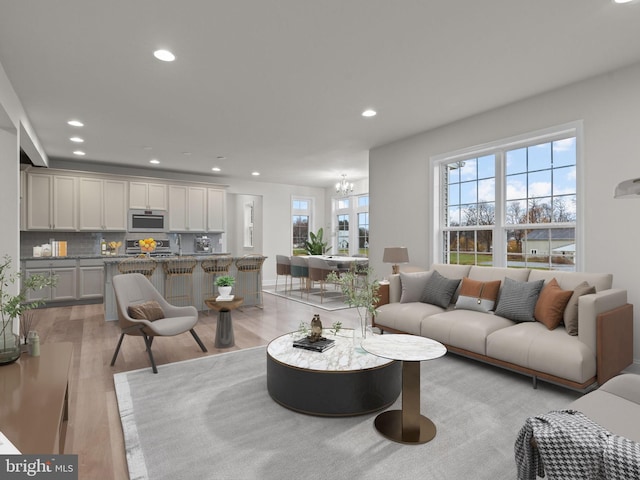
<point>94,431</point>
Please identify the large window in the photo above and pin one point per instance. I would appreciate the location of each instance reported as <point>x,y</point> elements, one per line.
<point>301,219</point>
<point>512,204</point>
<point>351,239</point>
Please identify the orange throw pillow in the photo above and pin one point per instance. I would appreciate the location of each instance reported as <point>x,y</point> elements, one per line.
<point>551,303</point>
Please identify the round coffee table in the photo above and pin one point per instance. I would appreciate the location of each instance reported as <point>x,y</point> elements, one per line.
<point>406,425</point>
<point>340,381</point>
<point>224,328</point>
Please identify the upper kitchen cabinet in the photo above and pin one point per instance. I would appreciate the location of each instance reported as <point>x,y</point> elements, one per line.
<point>187,209</point>
<point>216,206</point>
<point>147,196</point>
<point>51,202</point>
<point>102,205</point>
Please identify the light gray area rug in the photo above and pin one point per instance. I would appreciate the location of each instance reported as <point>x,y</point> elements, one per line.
<point>333,299</point>
<point>212,418</point>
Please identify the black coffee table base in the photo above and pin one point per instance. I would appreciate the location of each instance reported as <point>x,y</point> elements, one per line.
<point>333,394</point>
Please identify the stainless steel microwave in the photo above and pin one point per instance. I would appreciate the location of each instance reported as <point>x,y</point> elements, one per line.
<point>148,221</point>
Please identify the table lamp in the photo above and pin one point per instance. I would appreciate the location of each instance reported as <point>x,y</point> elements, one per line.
<point>395,255</point>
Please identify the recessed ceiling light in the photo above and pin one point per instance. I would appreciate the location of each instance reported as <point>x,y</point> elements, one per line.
<point>622,1</point>
<point>164,55</point>
<point>76,139</point>
<point>186,154</point>
<point>154,161</point>
<point>369,113</point>
<point>221,157</point>
<point>80,153</point>
<point>216,169</point>
<point>75,123</point>
<point>255,174</point>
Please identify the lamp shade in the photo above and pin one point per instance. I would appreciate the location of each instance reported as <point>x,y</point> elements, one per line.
<point>395,255</point>
<point>628,189</point>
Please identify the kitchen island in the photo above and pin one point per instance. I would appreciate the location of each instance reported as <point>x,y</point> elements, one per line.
<point>248,284</point>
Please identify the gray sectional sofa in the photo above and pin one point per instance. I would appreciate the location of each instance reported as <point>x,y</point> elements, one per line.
<point>602,348</point>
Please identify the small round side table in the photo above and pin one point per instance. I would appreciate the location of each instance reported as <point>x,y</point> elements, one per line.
<point>224,329</point>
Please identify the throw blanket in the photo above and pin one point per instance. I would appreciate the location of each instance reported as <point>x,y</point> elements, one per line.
<point>569,446</point>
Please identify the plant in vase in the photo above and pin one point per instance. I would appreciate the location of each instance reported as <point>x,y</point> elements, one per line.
<point>225,284</point>
<point>360,289</point>
<point>15,306</point>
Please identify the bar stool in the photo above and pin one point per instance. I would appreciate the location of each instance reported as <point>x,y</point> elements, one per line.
<point>214,267</point>
<point>145,266</point>
<point>179,270</point>
<point>247,287</point>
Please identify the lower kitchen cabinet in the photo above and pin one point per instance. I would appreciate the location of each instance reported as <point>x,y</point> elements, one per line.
<point>77,279</point>
<point>90,279</point>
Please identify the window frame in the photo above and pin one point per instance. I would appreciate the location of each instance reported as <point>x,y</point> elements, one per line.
<point>300,212</point>
<point>499,147</point>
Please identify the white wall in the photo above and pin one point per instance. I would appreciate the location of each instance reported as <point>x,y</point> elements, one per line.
<point>609,106</point>
<point>12,121</point>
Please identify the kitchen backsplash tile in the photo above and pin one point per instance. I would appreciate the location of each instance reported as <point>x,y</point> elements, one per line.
<point>78,243</point>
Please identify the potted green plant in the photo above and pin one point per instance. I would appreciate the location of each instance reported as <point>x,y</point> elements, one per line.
<point>13,306</point>
<point>224,284</point>
<point>315,245</point>
<point>360,289</point>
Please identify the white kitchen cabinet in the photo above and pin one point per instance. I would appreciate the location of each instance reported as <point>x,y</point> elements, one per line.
<point>64,270</point>
<point>23,200</point>
<point>90,278</point>
<point>51,202</point>
<point>216,207</point>
<point>187,209</point>
<point>102,204</point>
<point>147,196</point>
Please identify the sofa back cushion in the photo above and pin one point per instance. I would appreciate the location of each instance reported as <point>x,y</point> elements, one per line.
<point>488,274</point>
<point>452,271</point>
<point>570,280</point>
<point>517,300</point>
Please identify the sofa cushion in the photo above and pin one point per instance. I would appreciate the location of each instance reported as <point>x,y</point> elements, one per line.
<point>570,280</point>
<point>413,285</point>
<point>532,345</point>
<point>570,316</point>
<point>551,304</point>
<point>439,290</point>
<point>611,408</point>
<point>463,328</point>
<point>478,296</point>
<point>518,300</point>
<point>486,274</point>
<point>150,310</point>
<point>405,317</point>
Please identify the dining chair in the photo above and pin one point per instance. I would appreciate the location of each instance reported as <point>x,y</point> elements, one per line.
<point>283,267</point>
<point>300,270</point>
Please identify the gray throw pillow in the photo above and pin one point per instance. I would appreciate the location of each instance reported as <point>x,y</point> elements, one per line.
<point>518,300</point>
<point>413,285</point>
<point>439,290</point>
<point>571,310</point>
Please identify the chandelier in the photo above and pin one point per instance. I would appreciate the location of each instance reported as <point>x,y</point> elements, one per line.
<point>343,187</point>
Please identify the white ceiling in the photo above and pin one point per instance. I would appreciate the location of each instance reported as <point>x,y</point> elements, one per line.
<point>277,86</point>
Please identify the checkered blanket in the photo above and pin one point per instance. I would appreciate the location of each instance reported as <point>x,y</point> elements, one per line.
<point>569,446</point>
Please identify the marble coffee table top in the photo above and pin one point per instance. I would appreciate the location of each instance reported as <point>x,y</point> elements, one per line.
<point>342,357</point>
<point>404,347</point>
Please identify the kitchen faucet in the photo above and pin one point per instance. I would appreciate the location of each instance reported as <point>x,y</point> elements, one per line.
<point>179,240</point>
